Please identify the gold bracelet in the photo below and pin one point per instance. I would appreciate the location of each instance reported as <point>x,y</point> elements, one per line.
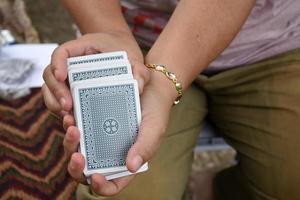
<point>171,76</point>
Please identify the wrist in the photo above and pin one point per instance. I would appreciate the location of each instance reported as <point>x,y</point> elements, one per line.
<point>170,76</point>
<point>165,87</point>
<point>167,84</point>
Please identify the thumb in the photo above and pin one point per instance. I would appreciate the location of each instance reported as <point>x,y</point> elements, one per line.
<point>140,73</point>
<point>147,143</point>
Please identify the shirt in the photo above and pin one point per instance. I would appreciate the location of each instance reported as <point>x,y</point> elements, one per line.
<point>273,27</point>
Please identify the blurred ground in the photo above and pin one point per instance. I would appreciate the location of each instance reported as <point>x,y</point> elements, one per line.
<point>50,20</point>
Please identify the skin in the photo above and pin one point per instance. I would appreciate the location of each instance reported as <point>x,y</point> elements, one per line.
<point>197,32</point>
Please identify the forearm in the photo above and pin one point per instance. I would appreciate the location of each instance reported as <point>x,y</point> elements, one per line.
<point>197,32</point>
<point>97,15</point>
<point>104,17</point>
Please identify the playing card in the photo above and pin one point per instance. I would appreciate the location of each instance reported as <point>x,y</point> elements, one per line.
<point>126,173</point>
<point>102,80</point>
<point>99,70</point>
<point>88,60</point>
<point>108,116</point>
<point>114,175</point>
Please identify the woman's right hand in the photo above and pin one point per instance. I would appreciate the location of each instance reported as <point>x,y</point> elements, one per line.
<point>56,92</point>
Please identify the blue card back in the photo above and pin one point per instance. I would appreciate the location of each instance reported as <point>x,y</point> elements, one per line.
<point>109,123</point>
<point>98,73</point>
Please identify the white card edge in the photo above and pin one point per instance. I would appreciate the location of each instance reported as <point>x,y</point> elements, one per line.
<point>96,56</point>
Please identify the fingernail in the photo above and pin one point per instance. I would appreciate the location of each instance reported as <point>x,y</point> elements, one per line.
<point>137,162</point>
<point>62,102</point>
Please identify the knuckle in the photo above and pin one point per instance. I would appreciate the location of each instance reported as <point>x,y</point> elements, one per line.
<point>46,73</point>
<point>86,36</point>
<point>72,172</point>
<point>53,107</point>
<point>50,103</point>
<point>64,46</point>
<point>68,146</point>
<point>65,144</point>
<point>44,87</point>
<point>65,125</point>
<point>58,91</point>
<point>67,153</point>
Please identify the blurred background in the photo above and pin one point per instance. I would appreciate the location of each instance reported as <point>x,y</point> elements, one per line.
<point>33,163</point>
<point>50,20</point>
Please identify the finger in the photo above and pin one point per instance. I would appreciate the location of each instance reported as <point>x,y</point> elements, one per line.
<point>147,143</point>
<point>109,188</point>
<point>59,90</point>
<point>71,140</point>
<point>50,101</point>
<point>82,46</point>
<point>76,166</point>
<point>140,73</point>
<point>155,116</point>
<point>68,121</point>
<point>59,63</point>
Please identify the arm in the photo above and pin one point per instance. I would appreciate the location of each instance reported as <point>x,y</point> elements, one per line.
<point>97,15</point>
<point>105,29</point>
<point>102,16</point>
<point>197,32</point>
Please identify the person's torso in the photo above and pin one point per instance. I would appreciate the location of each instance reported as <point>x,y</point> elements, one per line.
<point>273,27</point>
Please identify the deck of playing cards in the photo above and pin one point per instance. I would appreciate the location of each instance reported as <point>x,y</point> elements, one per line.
<point>107,111</point>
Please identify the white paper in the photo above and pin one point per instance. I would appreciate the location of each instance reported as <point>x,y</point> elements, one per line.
<point>39,54</point>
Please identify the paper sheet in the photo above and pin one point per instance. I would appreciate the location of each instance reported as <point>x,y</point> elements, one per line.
<point>39,54</point>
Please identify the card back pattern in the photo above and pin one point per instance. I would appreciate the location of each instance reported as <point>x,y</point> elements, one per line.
<point>84,75</point>
<point>110,124</point>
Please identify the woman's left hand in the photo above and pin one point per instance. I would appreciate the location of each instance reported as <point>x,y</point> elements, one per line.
<point>156,102</point>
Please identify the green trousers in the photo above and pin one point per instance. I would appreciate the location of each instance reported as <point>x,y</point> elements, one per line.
<point>257,109</point>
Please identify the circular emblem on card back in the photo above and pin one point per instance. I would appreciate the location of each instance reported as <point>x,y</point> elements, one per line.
<point>111,126</point>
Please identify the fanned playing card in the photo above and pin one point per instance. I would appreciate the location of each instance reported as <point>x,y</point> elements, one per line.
<point>101,58</point>
<point>99,70</point>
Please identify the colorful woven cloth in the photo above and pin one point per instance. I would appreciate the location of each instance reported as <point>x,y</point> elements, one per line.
<point>32,159</point>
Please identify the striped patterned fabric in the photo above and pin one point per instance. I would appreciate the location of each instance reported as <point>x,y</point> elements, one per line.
<point>32,159</point>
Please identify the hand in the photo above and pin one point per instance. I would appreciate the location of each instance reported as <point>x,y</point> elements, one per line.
<point>56,93</point>
<point>156,102</point>
<point>55,90</point>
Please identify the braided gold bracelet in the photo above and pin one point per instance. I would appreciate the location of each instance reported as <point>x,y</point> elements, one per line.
<point>171,76</point>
